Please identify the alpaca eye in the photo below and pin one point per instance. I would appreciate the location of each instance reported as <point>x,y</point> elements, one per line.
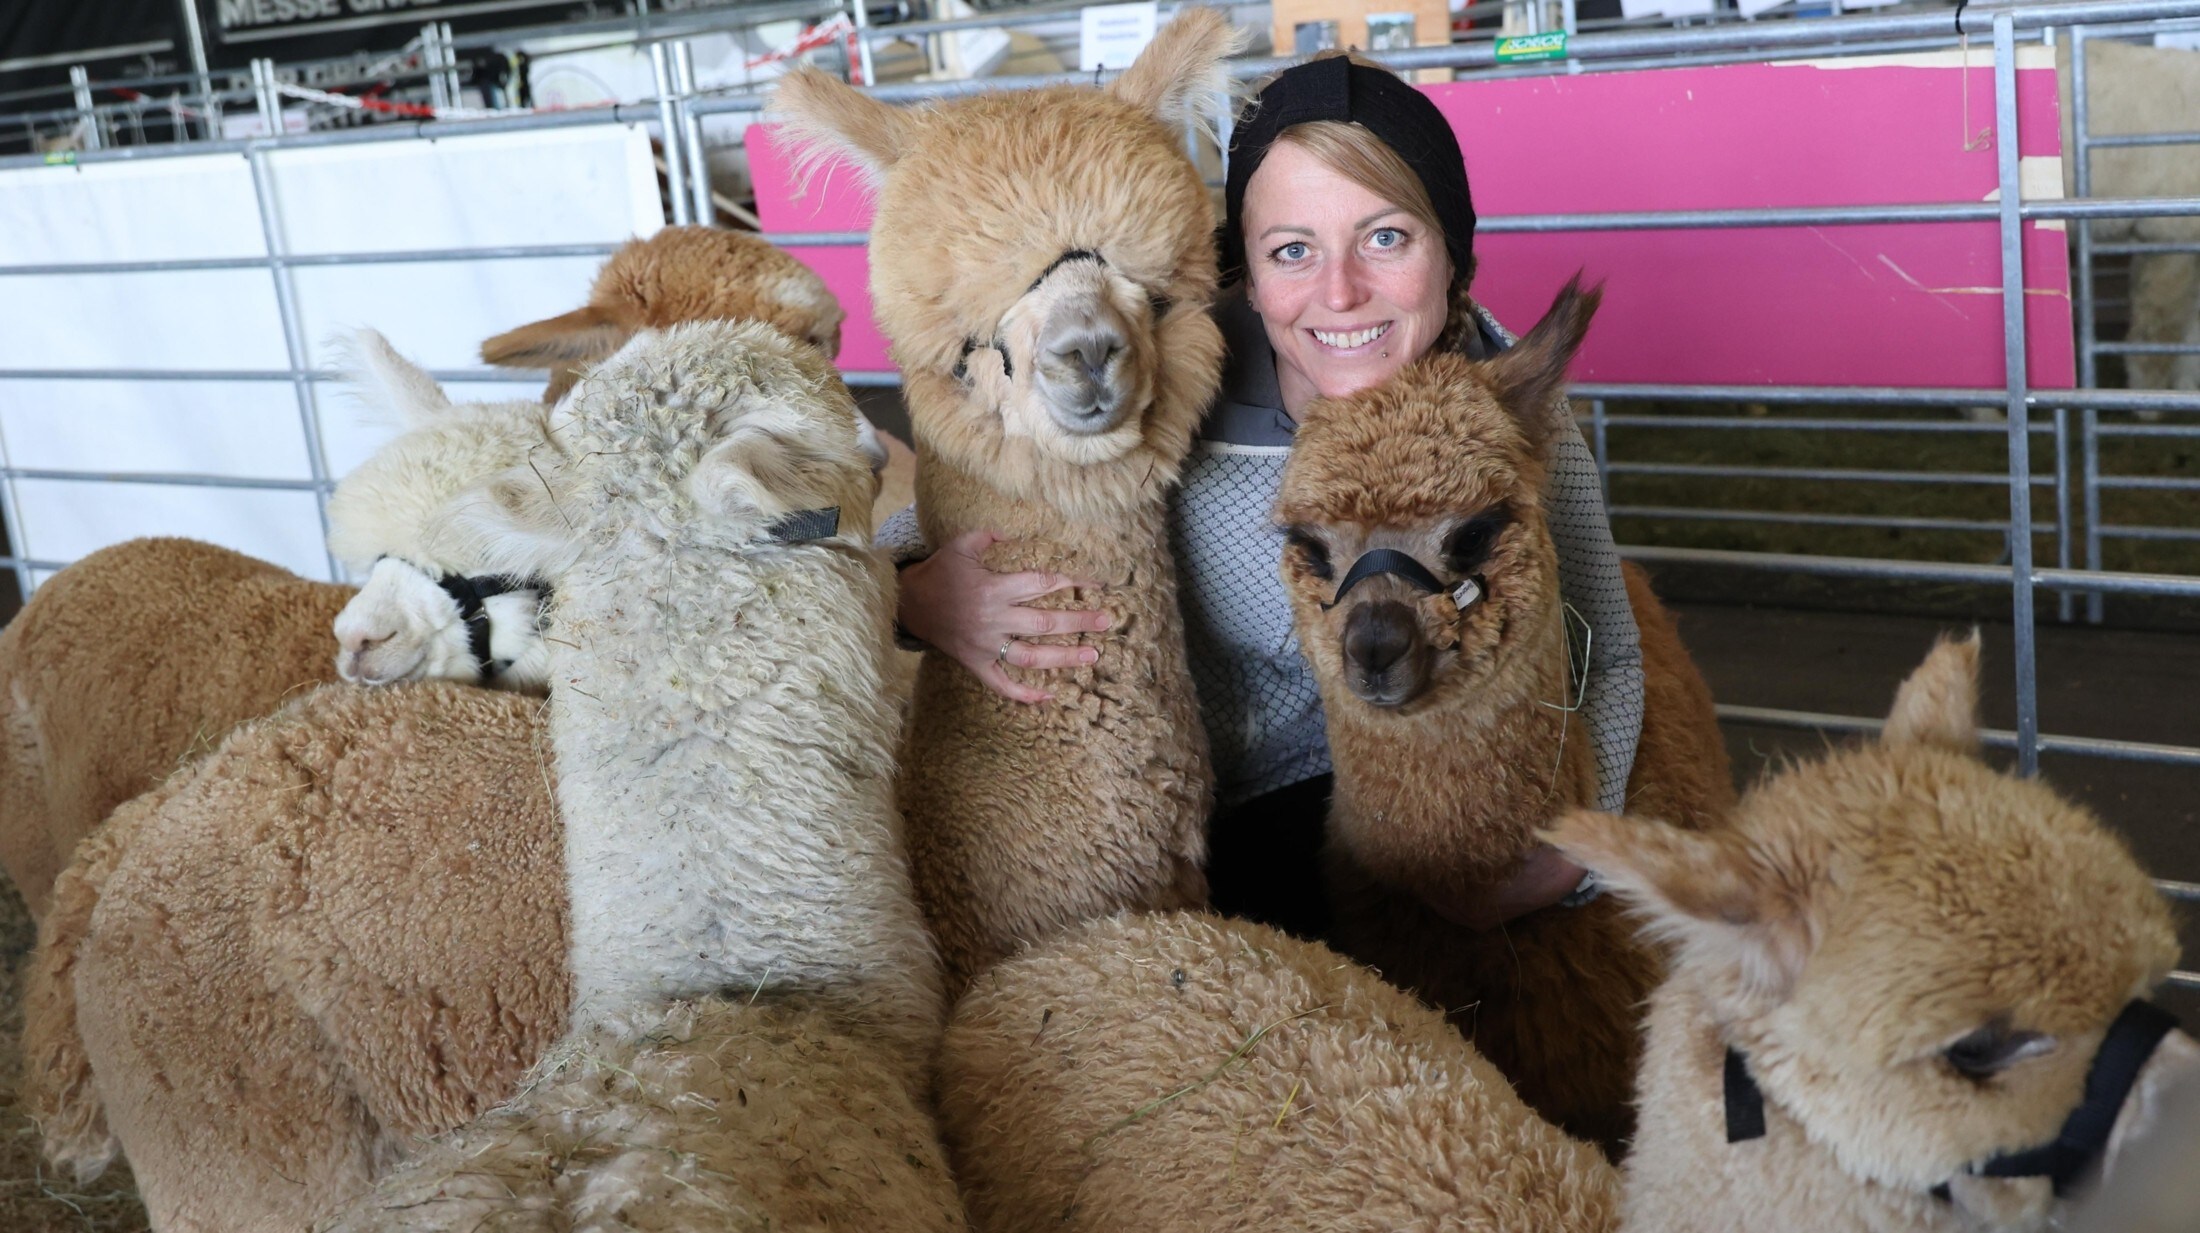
<point>1469,544</point>
<point>1312,552</point>
<point>1992,1049</point>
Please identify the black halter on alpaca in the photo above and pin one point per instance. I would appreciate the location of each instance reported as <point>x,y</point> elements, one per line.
<point>2131,1039</point>
<point>1159,302</point>
<point>1403,565</point>
<point>471,594</point>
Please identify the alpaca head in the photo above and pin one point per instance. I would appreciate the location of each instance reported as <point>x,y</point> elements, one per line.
<point>1043,261</point>
<point>1431,484</point>
<point>1917,955</point>
<point>678,274</point>
<point>693,442</point>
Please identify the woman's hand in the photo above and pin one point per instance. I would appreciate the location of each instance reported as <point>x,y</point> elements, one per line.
<point>1543,879</point>
<point>959,607</point>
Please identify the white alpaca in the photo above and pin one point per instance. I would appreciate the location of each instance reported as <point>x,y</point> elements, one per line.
<point>724,771</point>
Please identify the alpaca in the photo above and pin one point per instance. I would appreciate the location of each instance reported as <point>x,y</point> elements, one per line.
<point>1913,956</point>
<point>676,275</point>
<point>240,923</point>
<point>1043,262</point>
<point>216,637</point>
<point>1447,701</point>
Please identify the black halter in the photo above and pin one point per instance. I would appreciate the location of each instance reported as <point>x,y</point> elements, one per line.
<point>2131,1039</point>
<point>1159,302</point>
<point>1416,575</point>
<point>471,593</point>
<point>805,526</point>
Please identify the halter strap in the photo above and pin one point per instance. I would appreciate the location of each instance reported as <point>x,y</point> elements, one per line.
<point>805,526</point>
<point>471,594</point>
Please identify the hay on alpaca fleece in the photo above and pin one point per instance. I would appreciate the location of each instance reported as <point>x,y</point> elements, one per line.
<point>719,1114</point>
<point>1025,818</point>
<point>1863,914</point>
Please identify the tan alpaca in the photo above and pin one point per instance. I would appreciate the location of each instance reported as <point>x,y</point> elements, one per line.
<point>1916,955</point>
<point>1449,726</point>
<point>1043,262</point>
<point>678,274</point>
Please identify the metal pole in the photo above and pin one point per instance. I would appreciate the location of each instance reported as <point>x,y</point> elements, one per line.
<point>2065,602</point>
<point>859,13</point>
<point>265,98</point>
<point>453,88</point>
<point>431,62</point>
<point>210,104</point>
<point>2020,445</point>
<point>1604,457</point>
<point>691,133</point>
<point>80,83</point>
<point>668,126</point>
<point>18,547</point>
<point>2089,420</point>
<point>286,306</point>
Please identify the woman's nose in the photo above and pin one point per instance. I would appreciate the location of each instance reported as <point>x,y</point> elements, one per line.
<point>1343,286</point>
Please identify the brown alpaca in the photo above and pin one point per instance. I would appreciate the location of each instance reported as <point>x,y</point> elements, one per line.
<point>679,274</point>
<point>1915,955</point>
<point>1449,726</point>
<point>1043,263</point>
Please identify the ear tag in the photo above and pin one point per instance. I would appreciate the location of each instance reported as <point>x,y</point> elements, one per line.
<point>1466,594</point>
<point>805,526</point>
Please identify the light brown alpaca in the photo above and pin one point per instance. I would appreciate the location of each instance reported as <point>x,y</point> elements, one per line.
<point>1043,262</point>
<point>678,274</point>
<point>1915,955</point>
<point>1449,726</point>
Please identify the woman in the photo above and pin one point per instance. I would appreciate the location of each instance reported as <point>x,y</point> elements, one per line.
<point>1348,246</point>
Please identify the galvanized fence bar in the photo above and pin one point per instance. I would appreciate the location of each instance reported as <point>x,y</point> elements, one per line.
<point>500,252</point>
<point>1992,738</point>
<point>286,307</point>
<point>1700,513</point>
<point>2178,586</point>
<point>2013,350</point>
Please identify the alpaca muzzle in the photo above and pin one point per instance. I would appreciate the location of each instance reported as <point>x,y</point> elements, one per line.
<point>1082,365</point>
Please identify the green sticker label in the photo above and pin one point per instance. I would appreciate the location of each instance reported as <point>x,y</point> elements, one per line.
<point>61,158</point>
<point>1550,46</point>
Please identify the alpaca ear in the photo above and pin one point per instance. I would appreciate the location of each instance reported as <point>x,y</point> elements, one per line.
<point>583,336</point>
<point>1938,705</point>
<point>821,116</point>
<point>1722,899</point>
<point>1530,376</point>
<point>755,472</point>
<point>387,382</point>
<point>1182,68</point>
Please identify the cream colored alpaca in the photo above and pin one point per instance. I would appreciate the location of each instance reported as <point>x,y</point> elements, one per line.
<point>1043,262</point>
<point>1448,715</point>
<point>1915,956</point>
<point>724,753</point>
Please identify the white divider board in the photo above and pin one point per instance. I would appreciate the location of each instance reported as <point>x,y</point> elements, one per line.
<point>592,184</point>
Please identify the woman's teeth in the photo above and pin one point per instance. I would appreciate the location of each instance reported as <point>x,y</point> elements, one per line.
<point>1357,338</point>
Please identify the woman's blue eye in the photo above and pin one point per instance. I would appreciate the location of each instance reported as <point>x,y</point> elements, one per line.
<point>1387,237</point>
<point>1294,251</point>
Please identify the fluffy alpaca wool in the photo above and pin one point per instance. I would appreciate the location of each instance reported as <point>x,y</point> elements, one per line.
<point>738,786</point>
<point>675,275</point>
<point>718,1114</point>
<point>1024,818</point>
<point>1860,915</point>
<point>1446,792</point>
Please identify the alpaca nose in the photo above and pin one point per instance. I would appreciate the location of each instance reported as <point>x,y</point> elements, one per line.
<point>1079,373</point>
<point>1380,641</point>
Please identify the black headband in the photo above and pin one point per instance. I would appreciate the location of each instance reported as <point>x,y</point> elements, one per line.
<point>1334,88</point>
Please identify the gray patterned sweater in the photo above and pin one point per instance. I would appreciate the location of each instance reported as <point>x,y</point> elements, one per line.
<point>1257,696</point>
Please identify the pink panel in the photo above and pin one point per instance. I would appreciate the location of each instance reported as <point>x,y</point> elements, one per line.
<point>1879,305</point>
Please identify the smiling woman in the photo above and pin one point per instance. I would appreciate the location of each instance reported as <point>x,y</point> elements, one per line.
<point>1350,238</point>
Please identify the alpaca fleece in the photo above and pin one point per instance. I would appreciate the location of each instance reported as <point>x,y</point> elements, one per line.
<point>1446,793</point>
<point>677,274</point>
<point>129,663</point>
<point>709,1115</point>
<point>1858,915</point>
<point>1025,818</point>
<point>278,969</point>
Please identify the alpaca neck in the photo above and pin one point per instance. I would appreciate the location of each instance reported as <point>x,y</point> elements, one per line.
<point>1682,1176</point>
<point>1449,796</point>
<point>724,745</point>
<point>1123,545</point>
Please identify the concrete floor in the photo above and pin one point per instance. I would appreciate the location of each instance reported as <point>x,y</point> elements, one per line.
<point>2132,685</point>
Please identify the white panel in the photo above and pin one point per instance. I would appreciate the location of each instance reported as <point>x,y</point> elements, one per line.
<point>350,432</point>
<point>557,186</point>
<point>204,319</point>
<point>436,313</point>
<point>63,520</point>
<point>142,210</point>
<point>203,427</point>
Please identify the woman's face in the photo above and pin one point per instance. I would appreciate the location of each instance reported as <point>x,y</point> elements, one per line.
<point>1350,287</point>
